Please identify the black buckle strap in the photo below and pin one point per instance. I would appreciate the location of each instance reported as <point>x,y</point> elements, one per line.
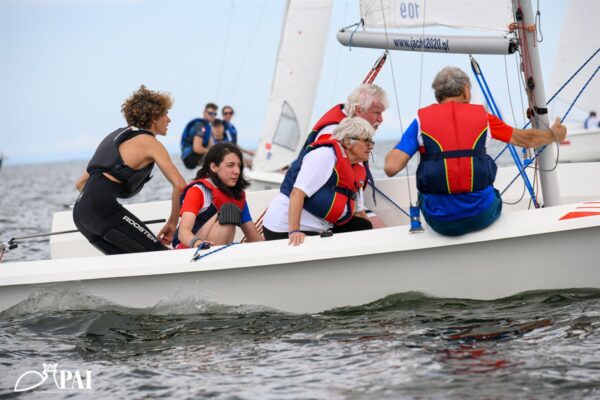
<point>439,155</point>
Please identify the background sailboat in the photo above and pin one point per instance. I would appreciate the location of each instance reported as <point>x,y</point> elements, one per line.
<point>293,91</point>
<point>578,41</point>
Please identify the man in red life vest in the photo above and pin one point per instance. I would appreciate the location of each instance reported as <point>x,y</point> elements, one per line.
<point>455,175</point>
<point>368,102</point>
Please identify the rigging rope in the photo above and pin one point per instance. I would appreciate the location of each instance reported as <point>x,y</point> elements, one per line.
<point>396,96</point>
<point>242,64</point>
<point>221,69</point>
<point>197,256</point>
<point>489,98</point>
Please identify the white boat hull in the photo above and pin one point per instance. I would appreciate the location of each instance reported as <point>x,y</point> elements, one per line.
<point>523,250</point>
<point>581,146</point>
<point>516,254</point>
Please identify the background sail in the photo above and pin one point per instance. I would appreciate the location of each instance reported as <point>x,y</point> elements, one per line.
<point>486,15</point>
<point>578,41</point>
<point>297,72</point>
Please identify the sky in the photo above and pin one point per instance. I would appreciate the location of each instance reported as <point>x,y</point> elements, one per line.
<point>67,66</point>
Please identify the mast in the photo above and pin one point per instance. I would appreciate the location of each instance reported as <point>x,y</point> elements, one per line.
<point>538,112</point>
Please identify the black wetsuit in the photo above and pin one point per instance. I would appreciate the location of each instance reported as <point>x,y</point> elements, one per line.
<point>99,216</point>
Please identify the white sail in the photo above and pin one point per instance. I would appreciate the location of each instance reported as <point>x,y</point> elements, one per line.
<point>462,14</point>
<point>295,83</point>
<point>578,41</point>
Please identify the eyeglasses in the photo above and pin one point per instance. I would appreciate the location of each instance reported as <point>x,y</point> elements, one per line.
<point>364,140</point>
<point>228,113</point>
<point>212,113</point>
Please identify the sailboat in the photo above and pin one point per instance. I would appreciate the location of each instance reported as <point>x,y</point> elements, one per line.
<point>577,43</point>
<point>293,92</point>
<point>554,247</point>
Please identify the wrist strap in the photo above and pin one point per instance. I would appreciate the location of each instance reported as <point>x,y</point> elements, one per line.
<point>294,231</point>
<point>193,241</point>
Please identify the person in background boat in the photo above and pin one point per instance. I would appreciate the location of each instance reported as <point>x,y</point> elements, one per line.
<point>218,134</point>
<point>119,168</point>
<point>231,131</point>
<point>196,136</point>
<point>368,101</point>
<point>455,175</point>
<point>215,202</point>
<point>320,190</point>
<point>592,121</point>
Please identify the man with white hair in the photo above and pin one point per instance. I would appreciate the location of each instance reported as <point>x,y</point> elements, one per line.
<point>456,175</point>
<point>367,101</point>
<point>319,192</point>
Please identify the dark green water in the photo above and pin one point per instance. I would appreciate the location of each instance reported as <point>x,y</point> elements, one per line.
<point>535,345</point>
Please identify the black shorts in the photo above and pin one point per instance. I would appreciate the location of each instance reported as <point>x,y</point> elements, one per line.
<point>193,161</point>
<point>106,224</point>
<point>354,224</point>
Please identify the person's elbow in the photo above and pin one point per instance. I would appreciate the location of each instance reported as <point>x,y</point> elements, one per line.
<point>395,161</point>
<point>389,170</point>
<point>179,184</point>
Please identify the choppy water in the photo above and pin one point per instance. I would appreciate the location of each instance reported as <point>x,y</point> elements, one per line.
<point>535,345</point>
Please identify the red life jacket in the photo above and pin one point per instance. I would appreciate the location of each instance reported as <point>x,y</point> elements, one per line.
<point>218,199</point>
<point>338,193</point>
<point>334,116</point>
<point>453,155</point>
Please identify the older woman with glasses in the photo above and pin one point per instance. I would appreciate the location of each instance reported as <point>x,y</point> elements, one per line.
<point>322,190</point>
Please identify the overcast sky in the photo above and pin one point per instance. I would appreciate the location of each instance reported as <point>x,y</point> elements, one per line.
<point>67,66</point>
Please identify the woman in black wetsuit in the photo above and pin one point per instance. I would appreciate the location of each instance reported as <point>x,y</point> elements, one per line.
<point>120,167</point>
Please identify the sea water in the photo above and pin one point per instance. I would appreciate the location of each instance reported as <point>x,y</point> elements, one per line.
<point>535,345</point>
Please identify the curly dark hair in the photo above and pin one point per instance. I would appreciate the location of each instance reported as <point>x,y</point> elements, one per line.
<point>216,154</point>
<point>145,106</point>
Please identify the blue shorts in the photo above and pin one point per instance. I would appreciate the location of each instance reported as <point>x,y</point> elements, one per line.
<point>465,225</point>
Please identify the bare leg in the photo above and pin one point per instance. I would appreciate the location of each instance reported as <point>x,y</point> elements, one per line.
<point>216,233</point>
<point>376,221</point>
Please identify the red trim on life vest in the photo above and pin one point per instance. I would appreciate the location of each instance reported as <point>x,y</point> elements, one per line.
<point>455,126</point>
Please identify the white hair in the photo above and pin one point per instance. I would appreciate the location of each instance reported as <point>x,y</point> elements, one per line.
<point>353,128</point>
<point>363,97</point>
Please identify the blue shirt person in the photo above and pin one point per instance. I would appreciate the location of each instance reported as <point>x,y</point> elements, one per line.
<point>196,136</point>
<point>455,175</point>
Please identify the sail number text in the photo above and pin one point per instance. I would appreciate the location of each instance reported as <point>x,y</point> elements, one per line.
<point>409,9</point>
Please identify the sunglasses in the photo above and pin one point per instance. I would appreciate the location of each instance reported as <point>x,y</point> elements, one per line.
<point>367,141</point>
<point>212,113</point>
<point>228,113</point>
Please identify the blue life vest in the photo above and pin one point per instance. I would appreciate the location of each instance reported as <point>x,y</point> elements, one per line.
<point>335,200</point>
<point>191,130</point>
<point>230,132</point>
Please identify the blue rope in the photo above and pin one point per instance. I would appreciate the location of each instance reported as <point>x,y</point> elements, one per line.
<point>564,116</point>
<point>495,110</point>
<point>198,256</point>
<point>568,81</point>
<point>391,201</point>
<point>358,24</point>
